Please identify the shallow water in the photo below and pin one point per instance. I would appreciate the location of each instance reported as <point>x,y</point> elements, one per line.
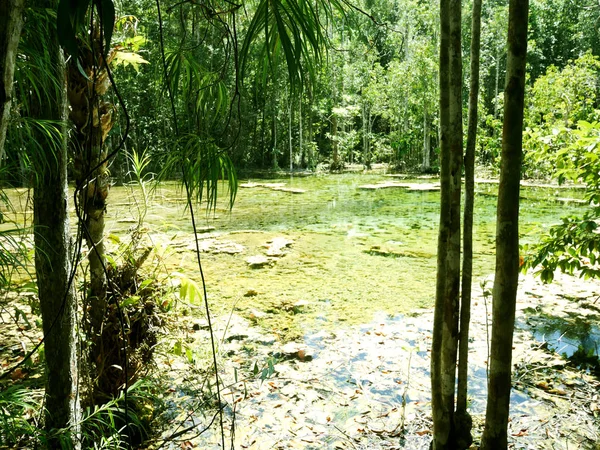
<point>355,252</point>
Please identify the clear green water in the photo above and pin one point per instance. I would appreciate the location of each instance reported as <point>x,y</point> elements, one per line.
<point>341,236</point>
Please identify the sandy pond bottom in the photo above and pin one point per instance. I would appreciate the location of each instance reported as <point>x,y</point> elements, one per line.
<point>367,386</point>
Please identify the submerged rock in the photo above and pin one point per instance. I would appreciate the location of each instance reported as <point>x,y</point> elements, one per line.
<point>258,261</point>
<point>277,246</point>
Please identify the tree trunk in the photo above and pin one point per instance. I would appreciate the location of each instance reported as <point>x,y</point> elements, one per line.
<point>11,22</point>
<point>496,86</point>
<point>93,119</point>
<point>426,141</point>
<point>365,124</point>
<point>463,422</point>
<point>274,137</point>
<point>52,252</point>
<point>300,140</point>
<point>442,414</point>
<point>445,335</point>
<point>507,232</point>
<point>290,142</point>
<point>335,158</point>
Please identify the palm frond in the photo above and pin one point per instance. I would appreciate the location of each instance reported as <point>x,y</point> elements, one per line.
<point>294,28</point>
<point>203,164</point>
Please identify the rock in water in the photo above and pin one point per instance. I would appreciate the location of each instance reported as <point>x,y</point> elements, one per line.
<point>276,247</point>
<point>258,261</point>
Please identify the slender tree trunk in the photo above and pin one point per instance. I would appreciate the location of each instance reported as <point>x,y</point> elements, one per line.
<point>463,422</point>
<point>452,307</point>
<point>291,147</point>
<point>365,121</point>
<point>274,134</point>
<point>335,158</point>
<point>448,285</point>
<point>52,252</point>
<point>300,140</point>
<point>497,85</point>
<point>11,22</point>
<point>442,414</point>
<point>426,141</point>
<point>310,156</point>
<point>507,232</point>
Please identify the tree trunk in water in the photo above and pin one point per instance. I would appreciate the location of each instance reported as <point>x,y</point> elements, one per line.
<point>11,22</point>
<point>463,421</point>
<point>52,253</point>
<point>507,232</point>
<point>443,373</point>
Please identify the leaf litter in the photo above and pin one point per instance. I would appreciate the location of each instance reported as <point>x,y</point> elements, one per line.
<point>367,386</point>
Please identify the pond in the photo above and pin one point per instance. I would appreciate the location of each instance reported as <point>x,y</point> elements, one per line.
<point>355,251</point>
<point>354,285</point>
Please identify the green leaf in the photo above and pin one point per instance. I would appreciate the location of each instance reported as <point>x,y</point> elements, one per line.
<point>64,27</point>
<point>129,59</point>
<point>178,348</point>
<point>107,14</point>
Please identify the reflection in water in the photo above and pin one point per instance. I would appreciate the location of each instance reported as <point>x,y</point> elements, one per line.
<point>567,336</point>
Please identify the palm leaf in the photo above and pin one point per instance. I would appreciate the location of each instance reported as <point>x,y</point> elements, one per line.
<point>295,27</point>
<point>203,165</point>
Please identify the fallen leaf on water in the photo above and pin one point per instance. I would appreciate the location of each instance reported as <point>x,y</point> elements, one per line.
<point>523,432</point>
<point>543,385</point>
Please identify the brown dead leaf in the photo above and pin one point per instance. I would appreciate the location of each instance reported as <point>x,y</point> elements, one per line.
<point>18,374</point>
<point>543,385</point>
<point>557,392</point>
<point>523,432</point>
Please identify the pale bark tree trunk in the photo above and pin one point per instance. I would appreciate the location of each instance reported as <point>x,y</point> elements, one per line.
<point>463,422</point>
<point>497,85</point>
<point>507,232</point>
<point>426,141</point>
<point>53,255</point>
<point>448,284</point>
<point>11,23</point>
<point>300,140</point>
